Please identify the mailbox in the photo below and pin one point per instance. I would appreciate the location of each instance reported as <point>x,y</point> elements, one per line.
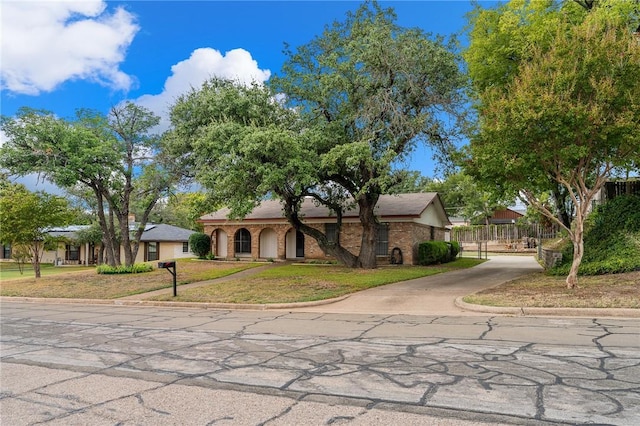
<point>171,267</point>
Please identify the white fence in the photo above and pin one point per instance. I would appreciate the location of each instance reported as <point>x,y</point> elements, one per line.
<point>507,232</point>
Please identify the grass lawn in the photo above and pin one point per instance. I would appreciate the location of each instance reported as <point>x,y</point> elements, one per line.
<point>302,283</point>
<point>10,271</point>
<point>63,283</point>
<point>287,283</point>
<point>280,284</point>
<point>540,290</point>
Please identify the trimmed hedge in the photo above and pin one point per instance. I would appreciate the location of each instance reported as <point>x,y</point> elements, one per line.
<point>133,269</point>
<point>455,249</point>
<point>434,252</point>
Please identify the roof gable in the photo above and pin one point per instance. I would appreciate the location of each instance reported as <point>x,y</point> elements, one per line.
<point>506,214</point>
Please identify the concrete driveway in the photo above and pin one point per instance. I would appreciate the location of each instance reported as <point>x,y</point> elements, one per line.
<point>434,295</point>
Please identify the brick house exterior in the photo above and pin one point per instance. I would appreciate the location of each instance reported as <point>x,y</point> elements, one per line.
<point>405,219</point>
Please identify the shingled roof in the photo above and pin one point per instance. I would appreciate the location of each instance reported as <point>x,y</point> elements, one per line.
<point>388,206</point>
<point>164,232</point>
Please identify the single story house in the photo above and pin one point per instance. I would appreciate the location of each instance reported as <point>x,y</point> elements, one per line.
<point>162,241</point>
<point>405,221</point>
<point>68,252</point>
<point>158,242</point>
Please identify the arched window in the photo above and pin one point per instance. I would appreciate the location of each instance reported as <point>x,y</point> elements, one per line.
<point>242,241</point>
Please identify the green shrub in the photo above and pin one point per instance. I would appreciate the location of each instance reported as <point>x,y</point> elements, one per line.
<point>136,268</point>
<point>454,248</point>
<point>200,244</point>
<point>432,252</point>
<point>611,240</point>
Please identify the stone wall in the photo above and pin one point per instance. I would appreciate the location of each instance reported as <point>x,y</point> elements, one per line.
<point>550,257</point>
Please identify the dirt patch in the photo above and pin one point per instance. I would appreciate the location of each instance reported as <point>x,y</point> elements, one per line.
<point>540,290</point>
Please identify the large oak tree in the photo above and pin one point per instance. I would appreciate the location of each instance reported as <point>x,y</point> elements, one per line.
<point>347,109</point>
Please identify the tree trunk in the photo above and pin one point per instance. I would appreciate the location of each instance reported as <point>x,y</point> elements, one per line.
<point>35,260</point>
<point>36,268</point>
<point>123,220</point>
<point>135,243</point>
<point>578,252</point>
<point>343,255</point>
<point>108,239</point>
<point>367,256</point>
<point>115,243</point>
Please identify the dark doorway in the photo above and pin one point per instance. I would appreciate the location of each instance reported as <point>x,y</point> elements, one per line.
<point>299,244</point>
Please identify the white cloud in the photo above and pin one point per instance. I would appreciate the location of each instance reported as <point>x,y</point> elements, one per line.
<point>45,43</point>
<point>203,64</point>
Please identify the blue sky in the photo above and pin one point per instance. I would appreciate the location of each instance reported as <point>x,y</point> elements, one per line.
<point>61,56</point>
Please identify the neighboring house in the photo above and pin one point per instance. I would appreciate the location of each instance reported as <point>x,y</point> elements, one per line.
<point>161,241</point>
<point>504,216</point>
<point>158,242</point>
<point>458,221</point>
<point>68,251</point>
<point>405,221</point>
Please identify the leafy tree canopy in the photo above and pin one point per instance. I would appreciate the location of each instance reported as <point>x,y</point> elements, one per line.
<point>113,158</point>
<point>570,116</point>
<point>345,109</point>
<point>181,209</point>
<point>466,198</point>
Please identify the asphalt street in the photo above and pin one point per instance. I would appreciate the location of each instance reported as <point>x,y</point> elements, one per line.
<point>84,364</point>
<point>400,354</point>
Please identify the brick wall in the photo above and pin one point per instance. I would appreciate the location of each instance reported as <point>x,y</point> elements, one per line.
<point>404,235</point>
<point>254,230</point>
<point>407,236</point>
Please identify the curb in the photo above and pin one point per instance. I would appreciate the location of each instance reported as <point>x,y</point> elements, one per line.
<point>497,310</point>
<point>527,311</point>
<point>207,305</point>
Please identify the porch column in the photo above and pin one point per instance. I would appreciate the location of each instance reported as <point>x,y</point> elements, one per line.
<point>282,244</point>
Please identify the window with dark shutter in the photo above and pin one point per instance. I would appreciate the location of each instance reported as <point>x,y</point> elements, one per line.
<point>382,245</point>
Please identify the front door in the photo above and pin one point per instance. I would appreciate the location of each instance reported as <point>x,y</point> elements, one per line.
<point>299,244</point>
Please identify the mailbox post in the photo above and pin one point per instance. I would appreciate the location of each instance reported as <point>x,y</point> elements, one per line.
<point>171,267</point>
